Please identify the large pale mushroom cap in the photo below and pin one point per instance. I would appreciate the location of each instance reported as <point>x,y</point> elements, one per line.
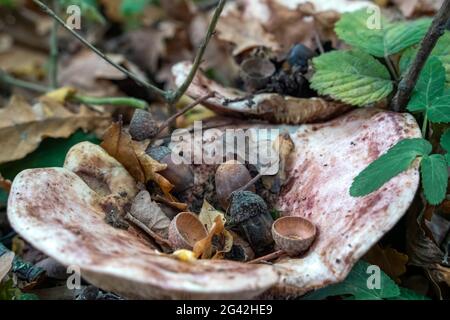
<point>59,214</point>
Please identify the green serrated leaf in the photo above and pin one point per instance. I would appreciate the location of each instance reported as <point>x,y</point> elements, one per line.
<point>439,112</point>
<point>430,85</point>
<point>445,140</point>
<point>434,171</point>
<point>396,160</point>
<point>356,285</point>
<point>353,76</point>
<point>379,40</point>
<point>440,51</point>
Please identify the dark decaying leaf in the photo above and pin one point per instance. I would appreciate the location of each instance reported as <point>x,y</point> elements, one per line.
<point>392,262</point>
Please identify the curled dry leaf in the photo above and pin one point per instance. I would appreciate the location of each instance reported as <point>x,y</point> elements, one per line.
<point>425,245</point>
<point>132,156</point>
<point>23,127</point>
<point>208,216</point>
<point>266,106</point>
<point>205,249</point>
<point>284,146</point>
<point>150,214</point>
<point>392,262</point>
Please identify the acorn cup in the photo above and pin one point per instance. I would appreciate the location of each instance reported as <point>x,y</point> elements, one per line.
<point>185,230</point>
<point>293,235</point>
<point>256,73</point>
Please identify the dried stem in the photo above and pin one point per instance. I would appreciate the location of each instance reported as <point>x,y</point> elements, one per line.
<point>114,101</point>
<point>408,82</point>
<point>268,257</point>
<point>147,230</point>
<point>199,57</point>
<point>190,106</point>
<point>6,78</point>
<point>136,78</point>
<point>54,53</point>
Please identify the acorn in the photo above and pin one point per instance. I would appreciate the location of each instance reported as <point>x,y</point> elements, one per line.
<point>229,177</point>
<point>143,126</point>
<point>249,216</point>
<point>178,173</point>
<point>293,235</point>
<point>185,231</point>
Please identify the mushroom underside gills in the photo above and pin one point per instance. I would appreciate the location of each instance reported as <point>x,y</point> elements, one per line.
<point>57,212</point>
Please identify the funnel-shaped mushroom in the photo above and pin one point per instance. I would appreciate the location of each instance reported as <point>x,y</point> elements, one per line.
<point>59,214</point>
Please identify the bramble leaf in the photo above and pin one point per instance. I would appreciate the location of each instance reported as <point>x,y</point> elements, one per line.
<point>396,160</point>
<point>357,78</point>
<point>439,112</point>
<point>379,40</point>
<point>441,51</point>
<point>434,171</point>
<point>430,85</point>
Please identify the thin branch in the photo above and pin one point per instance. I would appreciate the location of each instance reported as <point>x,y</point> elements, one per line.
<point>391,68</point>
<point>54,53</point>
<point>136,78</point>
<point>169,121</point>
<point>408,82</point>
<point>199,57</point>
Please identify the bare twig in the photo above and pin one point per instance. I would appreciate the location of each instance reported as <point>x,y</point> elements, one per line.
<point>133,76</point>
<point>268,257</point>
<point>199,57</point>
<point>53,61</point>
<point>190,106</point>
<point>408,82</point>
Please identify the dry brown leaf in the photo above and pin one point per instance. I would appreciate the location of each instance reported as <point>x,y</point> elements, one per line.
<point>244,34</point>
<point>392,262</point>
<point>208,215</point>
<point>130,154</point>
<point>23,127</point>
<point>5,184</point>
<point>203,248</point>
<point>150,214</point>
<point>23,62</point>
<point>411,8</point>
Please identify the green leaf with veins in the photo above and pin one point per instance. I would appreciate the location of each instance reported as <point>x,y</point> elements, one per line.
<point>352,76</point>
<point>439,112</point>
<point>388,39</point>
<point>440,51</point>
<point>355,285</point>
<point>406,294</point>
<point>434,171</point>
<point>429,86</point>
<point>396,160</point>
<point>445,140</point>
